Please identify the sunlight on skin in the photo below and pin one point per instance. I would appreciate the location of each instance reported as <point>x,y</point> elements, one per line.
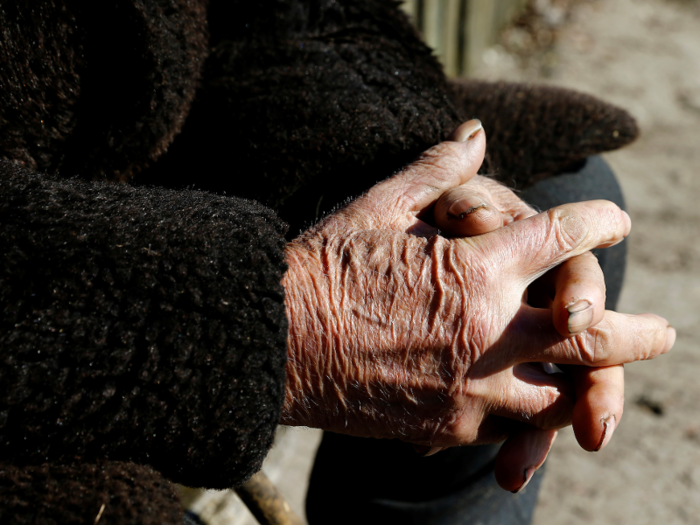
<point>428,339</point>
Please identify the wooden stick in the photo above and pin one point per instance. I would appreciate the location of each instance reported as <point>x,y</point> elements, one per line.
<point>266,503</point>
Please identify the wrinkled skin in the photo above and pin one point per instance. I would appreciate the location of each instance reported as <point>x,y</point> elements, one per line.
<point>483,205</point>
<point>398,332</point>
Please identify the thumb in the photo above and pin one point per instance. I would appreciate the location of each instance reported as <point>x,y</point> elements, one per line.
<point>401,198</point>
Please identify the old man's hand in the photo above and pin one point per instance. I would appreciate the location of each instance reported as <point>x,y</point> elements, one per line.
<point>398,332</point>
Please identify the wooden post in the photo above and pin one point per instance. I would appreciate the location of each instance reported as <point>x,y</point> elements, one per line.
<point>432,24</point>
<point>266,503</point>
<point>451,51</point>
<point>459,31</point>
<point>479,31</point>
<point>411,9</point>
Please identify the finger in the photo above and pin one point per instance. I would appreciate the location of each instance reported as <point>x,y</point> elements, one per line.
<point>511,398</point>
<point>579,301</point>
<point>520,457</point>
<point>615,340</point>
<point>525,393</point>
<point>495,429</point>
<point>402,197</point>
<point>465,211</point>
<point>600,398</point>
<point>427,450</point>
<point>465,131</point>
<point>512,206</point>
<point>533,246</point>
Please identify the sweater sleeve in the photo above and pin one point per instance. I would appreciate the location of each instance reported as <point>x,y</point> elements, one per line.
<point>139,324</point>
<point>323,97</point>
<point>521,150</point>
<point>76,493</point>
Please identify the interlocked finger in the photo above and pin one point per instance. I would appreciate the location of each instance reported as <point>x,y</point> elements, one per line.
<point>617,339</point>
<point>579,294</point>
<point>396,203</point>
<point>600,394</point>
<point>533,246</point>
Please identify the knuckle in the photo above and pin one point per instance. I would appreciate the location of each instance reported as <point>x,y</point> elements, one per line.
<point>655,342</point>
<point>484,278</point>
<point>595,347</point>
<point>549,408</point>
<point>444,156</point>
<point>548,398</point>
<point>403,201</point>
<point>614,218</point>
<point>444,149</point>
<point>568,228</point>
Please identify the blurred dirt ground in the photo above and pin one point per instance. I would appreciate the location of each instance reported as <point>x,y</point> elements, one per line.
<point>643,55</point>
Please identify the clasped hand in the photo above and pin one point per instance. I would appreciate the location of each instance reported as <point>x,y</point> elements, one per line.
<point>397,331</point>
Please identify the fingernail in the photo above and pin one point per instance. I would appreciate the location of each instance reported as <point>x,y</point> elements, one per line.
<point>551,368</point>
<point>465,207</point>
<point>468,130</point>
<point>670,338</point>
<point>608,429</point>
<point>580,316</point>
<point>527,476</point>
<point>421,450</point>
<point>425,450</point>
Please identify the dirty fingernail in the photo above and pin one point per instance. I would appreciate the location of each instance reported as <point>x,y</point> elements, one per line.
<point>425,450</point>
<point>421,450</point>
<point>527,476</point>
<point>670,338</point>
<point>580,316</point>
<point>467,131</point>
<point>465,207</point>
<point>608,429</point>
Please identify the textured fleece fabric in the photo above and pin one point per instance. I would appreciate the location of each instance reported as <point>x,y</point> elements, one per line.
<point>555,128</point>
<point>327,97</point>
<point>97,89</point>
<point>114,492</point>
<point>322,98</point>
<point>145,325</point>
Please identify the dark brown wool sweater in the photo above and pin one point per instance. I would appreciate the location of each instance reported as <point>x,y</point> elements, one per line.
<point>143,329</point>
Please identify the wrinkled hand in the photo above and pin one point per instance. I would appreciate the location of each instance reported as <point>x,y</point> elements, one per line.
<point>398,333</point>
<point>575,290</point>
